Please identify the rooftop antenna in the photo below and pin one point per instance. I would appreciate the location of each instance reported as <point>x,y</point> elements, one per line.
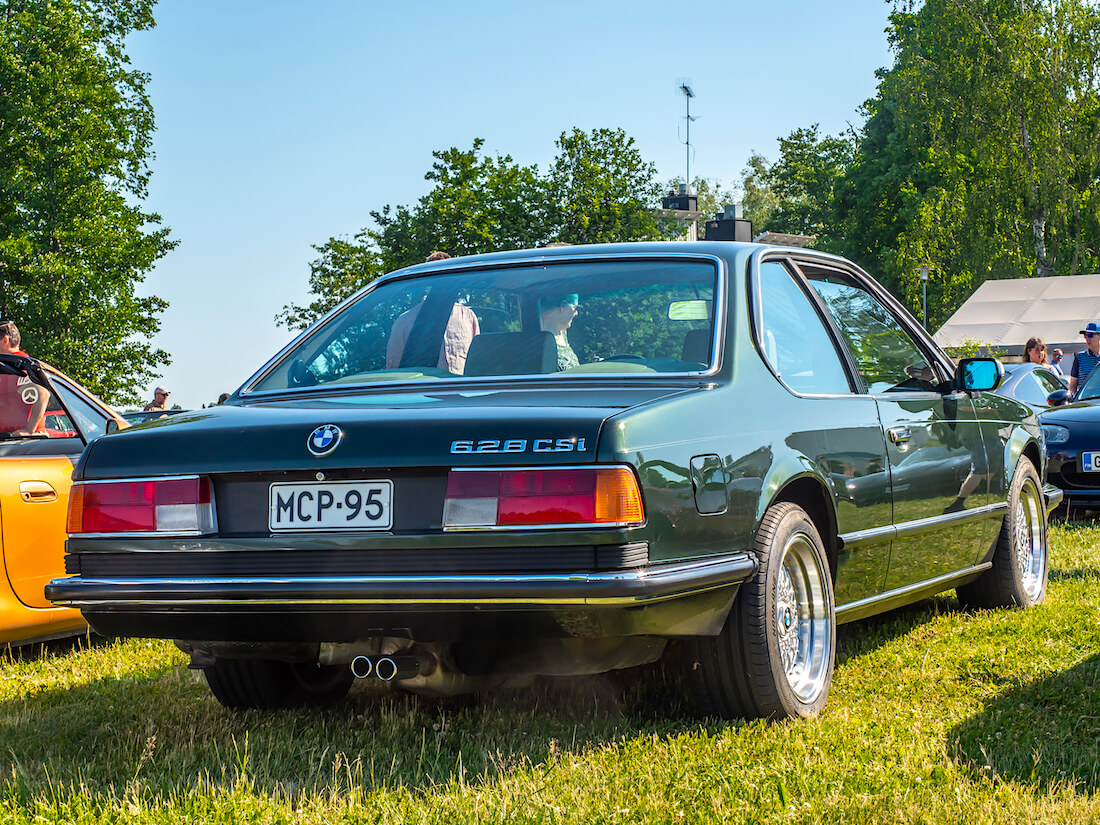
<point>685,87</point>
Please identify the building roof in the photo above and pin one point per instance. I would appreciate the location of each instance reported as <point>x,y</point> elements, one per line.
<point>1005,313</point>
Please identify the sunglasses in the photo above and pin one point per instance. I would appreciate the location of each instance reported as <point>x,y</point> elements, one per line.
<point>1090,334</point>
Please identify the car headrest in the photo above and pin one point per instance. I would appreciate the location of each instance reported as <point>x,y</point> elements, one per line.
<point>696,347</point>
<point>512,353</point>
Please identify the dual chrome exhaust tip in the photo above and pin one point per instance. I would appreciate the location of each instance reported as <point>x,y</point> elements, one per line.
<point>388,668</point>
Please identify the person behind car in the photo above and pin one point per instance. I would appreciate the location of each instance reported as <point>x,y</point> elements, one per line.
<point>159,402</point>
<point>22,402</point>
<point>1056,361</point>
<point>1035,352</point>
<point>461,328</point>
<point>1085,361</point>
<point>557,316</point>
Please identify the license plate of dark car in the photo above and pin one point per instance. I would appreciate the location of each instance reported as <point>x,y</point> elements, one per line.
<point>333,505</point>
<point>1090,462</point>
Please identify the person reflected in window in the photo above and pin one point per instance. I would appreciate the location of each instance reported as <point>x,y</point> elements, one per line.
<point>461,328</point>
<point>557,316</point>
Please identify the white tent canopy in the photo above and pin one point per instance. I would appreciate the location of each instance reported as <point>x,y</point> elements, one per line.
<point>1004,314</point>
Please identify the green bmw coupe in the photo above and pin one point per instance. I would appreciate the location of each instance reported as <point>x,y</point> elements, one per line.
<point>568,461</point>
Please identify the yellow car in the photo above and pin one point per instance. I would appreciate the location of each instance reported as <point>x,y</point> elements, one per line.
<point>46,420</point>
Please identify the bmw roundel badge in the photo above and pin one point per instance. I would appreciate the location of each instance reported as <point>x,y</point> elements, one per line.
<point>324,439</point>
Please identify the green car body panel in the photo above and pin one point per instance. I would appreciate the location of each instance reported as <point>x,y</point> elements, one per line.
<point>714,449</point>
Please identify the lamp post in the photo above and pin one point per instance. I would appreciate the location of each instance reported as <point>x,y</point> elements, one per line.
<point>924,296</point>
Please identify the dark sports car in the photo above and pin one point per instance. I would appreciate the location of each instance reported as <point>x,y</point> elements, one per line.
<point>568,461</point>
<point>1032,384</point>
<point>1072,434</point>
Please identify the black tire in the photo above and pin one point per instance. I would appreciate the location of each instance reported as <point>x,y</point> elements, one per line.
<point>774,657</point>
<point>1018,577</point>
<point>263,684</point>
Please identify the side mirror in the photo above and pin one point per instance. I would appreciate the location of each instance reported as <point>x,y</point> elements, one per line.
<point>979,374</point>
<point>112,426</point>
<point>1059,397</point>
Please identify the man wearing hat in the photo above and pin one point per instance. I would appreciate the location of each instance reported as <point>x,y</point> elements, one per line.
<point>1086,360</point>
<point>160,400</point>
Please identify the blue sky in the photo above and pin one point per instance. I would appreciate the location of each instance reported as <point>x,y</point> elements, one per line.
<point>281,124</point>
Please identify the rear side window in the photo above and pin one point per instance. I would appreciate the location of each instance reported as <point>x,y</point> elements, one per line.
<point>1036,385</point>
<point>793,337</point>
<point>1047,382</point>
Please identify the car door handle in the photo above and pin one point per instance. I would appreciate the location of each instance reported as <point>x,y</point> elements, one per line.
<point>37,491</point>
<point>899,435</point>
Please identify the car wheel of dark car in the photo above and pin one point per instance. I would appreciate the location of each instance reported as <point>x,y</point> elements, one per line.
<point>1018,577</point>
<point>263,684</point>
<point>774,657</point>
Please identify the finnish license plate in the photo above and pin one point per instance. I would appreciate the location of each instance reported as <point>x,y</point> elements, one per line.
<point>333,505</point>
<point>1090,462</point>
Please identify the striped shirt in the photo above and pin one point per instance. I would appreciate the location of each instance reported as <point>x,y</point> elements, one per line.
<point>1083,364</point>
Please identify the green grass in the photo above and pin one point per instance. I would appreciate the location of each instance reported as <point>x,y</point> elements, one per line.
<point>936,715</point>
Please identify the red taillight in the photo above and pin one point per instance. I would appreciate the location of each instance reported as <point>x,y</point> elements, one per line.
<point>170,505</point>
<point>505,498</point>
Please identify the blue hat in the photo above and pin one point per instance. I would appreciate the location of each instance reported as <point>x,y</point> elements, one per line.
<point>1091,326</point>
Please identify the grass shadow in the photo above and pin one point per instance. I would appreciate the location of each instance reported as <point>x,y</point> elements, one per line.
<point>160,730</point>
<point>11,652</point>
<point>1046,731</point>
<point>1075,574</point>
<point>866,635</point>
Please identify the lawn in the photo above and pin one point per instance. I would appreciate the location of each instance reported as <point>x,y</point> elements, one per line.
<point>936,715</point>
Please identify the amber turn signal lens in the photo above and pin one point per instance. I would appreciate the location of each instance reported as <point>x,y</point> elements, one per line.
<point>617,496</point>
<point>74,522</point>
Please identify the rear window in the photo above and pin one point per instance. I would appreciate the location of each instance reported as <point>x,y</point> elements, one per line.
<point>555,319</point>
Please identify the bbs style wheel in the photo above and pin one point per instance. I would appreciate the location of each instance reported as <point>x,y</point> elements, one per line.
<point>774,657</point>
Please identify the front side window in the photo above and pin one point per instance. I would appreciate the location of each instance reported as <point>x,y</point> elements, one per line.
<point>886,356</point>
<point>793,336</point>
<point>569,319</point>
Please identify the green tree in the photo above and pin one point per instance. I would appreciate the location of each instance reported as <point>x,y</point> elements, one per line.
<point>599,190</point>
<point>796,194</point>
<point>981,152</point>
<point>75,132</point>
<point>602,191</point>
<point>343,268</point>
<point>758,196</point>
<point>476,204</point>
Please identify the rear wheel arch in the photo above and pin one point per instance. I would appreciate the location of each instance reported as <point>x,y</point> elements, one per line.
<point>811,494</point>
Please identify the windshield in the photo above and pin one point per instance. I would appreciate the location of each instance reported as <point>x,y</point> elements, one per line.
<point>571,318</point>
